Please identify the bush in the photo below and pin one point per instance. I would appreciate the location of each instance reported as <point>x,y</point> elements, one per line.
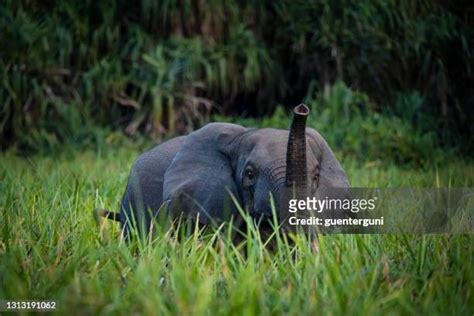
<point>160,68</point>
<point>350,123</point>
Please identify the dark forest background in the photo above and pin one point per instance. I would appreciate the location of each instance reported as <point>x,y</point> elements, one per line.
<point>385,79</point>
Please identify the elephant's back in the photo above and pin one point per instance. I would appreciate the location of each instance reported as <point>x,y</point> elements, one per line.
<point>144,189</point>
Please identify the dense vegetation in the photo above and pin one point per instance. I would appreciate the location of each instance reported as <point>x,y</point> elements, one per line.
<point>401,72</point>
<point>51,248</point>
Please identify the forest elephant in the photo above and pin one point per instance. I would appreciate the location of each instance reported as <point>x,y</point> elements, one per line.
<point>197,175</point>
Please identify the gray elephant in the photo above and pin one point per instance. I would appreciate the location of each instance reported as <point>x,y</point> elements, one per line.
<point>197,175</point>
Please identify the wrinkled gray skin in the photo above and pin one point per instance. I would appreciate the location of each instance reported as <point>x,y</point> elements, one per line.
<point>196,173</point>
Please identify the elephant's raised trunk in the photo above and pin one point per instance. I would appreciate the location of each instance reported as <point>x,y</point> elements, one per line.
<point>296,171</point>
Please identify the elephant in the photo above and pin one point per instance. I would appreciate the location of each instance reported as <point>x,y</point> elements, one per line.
<point>199,174</point>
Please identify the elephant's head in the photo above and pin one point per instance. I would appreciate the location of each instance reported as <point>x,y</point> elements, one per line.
<point>221,159</point>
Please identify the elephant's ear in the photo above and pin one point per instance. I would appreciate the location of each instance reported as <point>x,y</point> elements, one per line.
<point>200,178</point>
<point>331,174</point>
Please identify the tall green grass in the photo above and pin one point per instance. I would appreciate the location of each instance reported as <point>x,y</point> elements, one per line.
<point>51,248</point>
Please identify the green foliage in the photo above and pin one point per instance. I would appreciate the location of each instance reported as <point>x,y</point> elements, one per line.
<point>350,123</point>
<point>50,248</point>
<point>158,67</point>
<point>83,68</point>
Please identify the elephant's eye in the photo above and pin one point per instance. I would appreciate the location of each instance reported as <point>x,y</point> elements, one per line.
<point>249,177</point>
<point>250,174</point>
